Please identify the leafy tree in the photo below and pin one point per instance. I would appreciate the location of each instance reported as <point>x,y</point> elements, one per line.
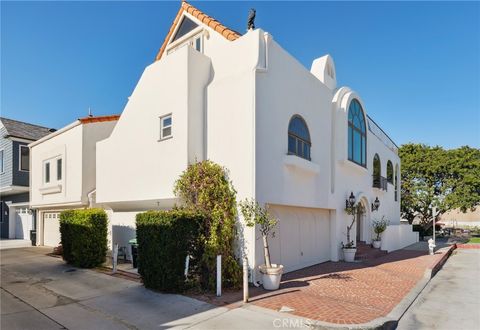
<point>435,177</point>
<point>204,187</point>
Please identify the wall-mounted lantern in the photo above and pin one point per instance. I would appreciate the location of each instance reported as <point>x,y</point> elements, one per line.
<point>375,204</point>
<point>350,202</point>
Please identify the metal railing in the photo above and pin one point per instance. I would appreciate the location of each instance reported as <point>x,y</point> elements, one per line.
<point>379,182</point>
<point>381,135</point>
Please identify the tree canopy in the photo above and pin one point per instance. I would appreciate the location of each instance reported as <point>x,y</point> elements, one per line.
<point>435,177</point>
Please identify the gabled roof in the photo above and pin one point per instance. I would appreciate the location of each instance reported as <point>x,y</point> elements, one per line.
<point>205,19</point>
<point>98,119</point>
<point>22,130</point>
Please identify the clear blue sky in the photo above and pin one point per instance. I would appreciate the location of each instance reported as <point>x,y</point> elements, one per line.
<point>416,65</point>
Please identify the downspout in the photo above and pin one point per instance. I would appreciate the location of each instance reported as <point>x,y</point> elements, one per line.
<point>90,198</point>
<point>260,69</point>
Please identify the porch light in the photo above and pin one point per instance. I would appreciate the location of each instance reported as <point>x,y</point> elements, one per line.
<point>350,202</point>
<point>375,204</point>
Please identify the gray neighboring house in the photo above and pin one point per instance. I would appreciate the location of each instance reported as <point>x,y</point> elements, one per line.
<point>16,219</point>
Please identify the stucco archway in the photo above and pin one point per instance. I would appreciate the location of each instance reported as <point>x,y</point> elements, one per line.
<point>362,229</point>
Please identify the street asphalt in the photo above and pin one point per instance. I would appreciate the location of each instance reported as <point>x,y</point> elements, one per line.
<point>42,292</point>
<point>451,300</point>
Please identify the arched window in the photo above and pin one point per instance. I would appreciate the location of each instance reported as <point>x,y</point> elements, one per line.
<point>298,138</point>
<point>378,181</point>
<point>390,172</point>
<point>397,173</point>
<point>377,166</point>
<point>357,134</point>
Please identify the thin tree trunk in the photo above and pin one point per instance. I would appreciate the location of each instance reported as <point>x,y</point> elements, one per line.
<point>266,251</point>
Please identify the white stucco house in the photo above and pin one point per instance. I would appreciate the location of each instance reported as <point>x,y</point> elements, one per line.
<point>62,167</point>
<point>289,136</point>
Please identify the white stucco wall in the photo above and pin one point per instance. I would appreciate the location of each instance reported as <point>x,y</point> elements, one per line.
<point>76,146</point>
<point>68,146</point>
<point>398,236</point>
<point>232,105</point>
<point>134,156</point>
<point>92,133</point>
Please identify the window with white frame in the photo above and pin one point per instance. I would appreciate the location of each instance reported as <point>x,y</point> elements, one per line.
<point>166,127</point>
<point>53,170</point>
<point>24,156</point>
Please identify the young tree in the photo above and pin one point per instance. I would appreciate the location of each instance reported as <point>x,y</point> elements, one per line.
<point>434,177</point>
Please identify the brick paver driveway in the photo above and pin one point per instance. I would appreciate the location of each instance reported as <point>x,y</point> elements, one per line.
<point>345,293</point>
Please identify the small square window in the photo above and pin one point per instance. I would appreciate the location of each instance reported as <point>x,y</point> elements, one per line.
<point>166,127</point>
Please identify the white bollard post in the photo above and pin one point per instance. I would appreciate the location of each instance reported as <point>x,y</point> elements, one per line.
<point>219,275</point>
<point>187,263</point>
<point>434,213</point>
<point>245,280</point>
<point>115,258</point>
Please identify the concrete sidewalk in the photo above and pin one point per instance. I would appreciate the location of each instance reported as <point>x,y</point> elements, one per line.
<point>14,243</point>
<point>42,292</point>
<point>452,299</point>
<point>361,295</point>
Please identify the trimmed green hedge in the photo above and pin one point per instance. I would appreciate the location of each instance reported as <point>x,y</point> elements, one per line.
<point>84,237</point>
<point>165,238</point>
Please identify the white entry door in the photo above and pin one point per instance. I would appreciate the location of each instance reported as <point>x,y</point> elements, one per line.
<point>51,229</point>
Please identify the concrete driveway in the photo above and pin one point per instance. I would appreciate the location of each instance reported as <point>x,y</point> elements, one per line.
<point>452,298</point>
<point>42,292</point>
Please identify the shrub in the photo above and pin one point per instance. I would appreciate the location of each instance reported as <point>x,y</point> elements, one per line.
<point>379,226</point>
<point>165,238</point>
<point>205,187</point>
<point>84,237</point>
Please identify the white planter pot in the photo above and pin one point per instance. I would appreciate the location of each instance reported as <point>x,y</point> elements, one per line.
<point>349,254</point>
<point>272,276</point>
<point>377,244</point>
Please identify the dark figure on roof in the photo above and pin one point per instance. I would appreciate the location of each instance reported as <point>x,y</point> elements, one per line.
<point>251,19</point>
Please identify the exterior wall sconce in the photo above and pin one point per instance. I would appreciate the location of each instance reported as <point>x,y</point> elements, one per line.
<point>375,204</point>
<point>350,202</point>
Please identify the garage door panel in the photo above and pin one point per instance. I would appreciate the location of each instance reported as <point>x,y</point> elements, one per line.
<point>308,238</point>
<point>51,229</point>
<point>323,235</point>
<point>290,244</point>
<point>304,238</point>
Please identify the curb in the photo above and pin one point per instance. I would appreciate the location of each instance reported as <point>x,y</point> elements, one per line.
<point>390,321</point>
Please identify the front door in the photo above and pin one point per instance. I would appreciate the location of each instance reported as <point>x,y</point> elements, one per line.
<point>4,220</point>
<point>359,224</point>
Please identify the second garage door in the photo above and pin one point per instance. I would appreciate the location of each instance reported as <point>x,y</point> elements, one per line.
<point>302,237</point>
<point>51,229</point>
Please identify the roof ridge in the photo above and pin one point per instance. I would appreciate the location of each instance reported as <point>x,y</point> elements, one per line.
<point>209,21</point>
<point>23,122</point>
<point>97,119</point>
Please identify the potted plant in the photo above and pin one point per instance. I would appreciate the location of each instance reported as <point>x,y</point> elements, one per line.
<point>254,214</point>
<point>352,209</point>
<point>379,226</point>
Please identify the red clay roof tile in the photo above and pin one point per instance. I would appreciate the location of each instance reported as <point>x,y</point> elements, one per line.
<point>88,120</point>
<point>204,18</point>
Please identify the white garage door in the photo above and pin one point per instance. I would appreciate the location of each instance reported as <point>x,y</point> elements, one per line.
<point>51,229</point>
<point>302,237</point>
